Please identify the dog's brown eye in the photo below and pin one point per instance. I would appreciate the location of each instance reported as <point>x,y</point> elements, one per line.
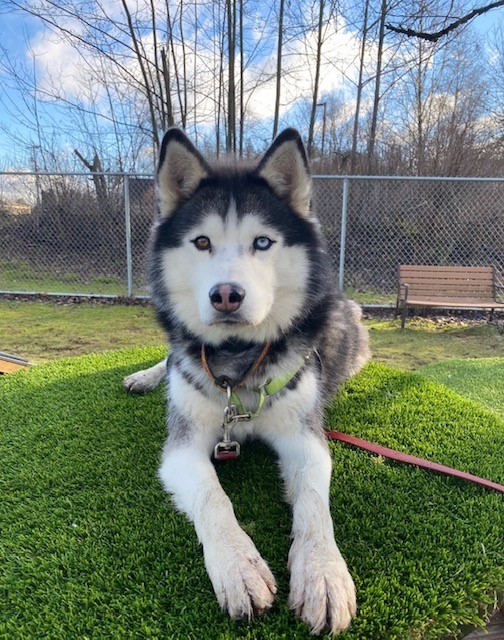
<point>202,243</point>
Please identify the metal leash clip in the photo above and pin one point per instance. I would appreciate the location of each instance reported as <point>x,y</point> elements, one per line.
<point>228,449</point>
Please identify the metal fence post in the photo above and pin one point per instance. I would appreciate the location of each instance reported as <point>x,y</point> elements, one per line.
<point>127,226</point>
<point>344,207</point>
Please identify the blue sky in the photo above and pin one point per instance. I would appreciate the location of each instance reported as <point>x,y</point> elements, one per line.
<point>17,30</point>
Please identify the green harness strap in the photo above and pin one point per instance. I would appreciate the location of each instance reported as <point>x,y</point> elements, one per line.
<point>266,390</point>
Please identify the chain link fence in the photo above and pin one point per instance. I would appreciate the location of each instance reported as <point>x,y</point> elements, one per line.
<point>374,224</point>
<point>82,234</point>
<point>75,233</point>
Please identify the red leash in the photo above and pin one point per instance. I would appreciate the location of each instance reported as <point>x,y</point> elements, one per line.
<point>399,456</point>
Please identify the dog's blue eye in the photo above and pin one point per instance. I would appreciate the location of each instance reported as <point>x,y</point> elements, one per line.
<point>202,243</point>
<point>262,243</point>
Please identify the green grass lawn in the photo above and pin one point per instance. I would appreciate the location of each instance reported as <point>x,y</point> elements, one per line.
<point>481,379</point>
<point>45,331</point>
<point>17,275</point>
<point>91,548</point>
<point>426,341</point>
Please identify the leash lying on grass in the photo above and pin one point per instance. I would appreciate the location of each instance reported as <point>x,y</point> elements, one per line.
<point>399,456</point>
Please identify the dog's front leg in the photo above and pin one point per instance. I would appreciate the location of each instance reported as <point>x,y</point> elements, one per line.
<point>146,379</point>
<point>242,581</point>
<point>322,592</point>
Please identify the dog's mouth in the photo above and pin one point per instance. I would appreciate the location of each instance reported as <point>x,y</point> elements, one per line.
<point>229,321</point>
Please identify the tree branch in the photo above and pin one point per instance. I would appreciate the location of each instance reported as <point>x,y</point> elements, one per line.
<point>434,37</point>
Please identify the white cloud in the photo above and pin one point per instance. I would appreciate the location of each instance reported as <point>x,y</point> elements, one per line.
<point>339,53</point>
<point>59,65</point>
<point>63,67</point>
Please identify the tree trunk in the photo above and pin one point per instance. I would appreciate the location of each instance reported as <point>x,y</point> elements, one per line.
<point>242,81</point>
<point>98,180</point>
<point>231,128</point>
<point>278,68</point>
<point>317,80</point>
<point>169,24</point>
<point>376,101</point>
<point>167,89</point>
<point>184,68</point>
<point>143,70</point>
<point>355,134</point>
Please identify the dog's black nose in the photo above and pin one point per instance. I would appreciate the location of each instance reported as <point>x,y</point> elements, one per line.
<point>226,297</point>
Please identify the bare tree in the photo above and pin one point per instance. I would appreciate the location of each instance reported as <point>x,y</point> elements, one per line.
<point>315,95</point>
<point>98,177</point>
<point>278,80</point>
<point>242,78</point>
<point>143,69</point>
<point>174,57</point>
<point>360,87</point>
<point>377,88</point>
<point>438,106</point>
<point>201,64</point>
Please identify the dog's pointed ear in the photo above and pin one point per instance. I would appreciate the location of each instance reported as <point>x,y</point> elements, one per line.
<point>180,170</point>
<point>285,168</point>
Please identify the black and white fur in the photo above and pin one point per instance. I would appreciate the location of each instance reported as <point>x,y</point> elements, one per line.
<point>263,241</point>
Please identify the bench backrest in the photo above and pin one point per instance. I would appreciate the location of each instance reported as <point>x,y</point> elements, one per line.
<point>448,282</point>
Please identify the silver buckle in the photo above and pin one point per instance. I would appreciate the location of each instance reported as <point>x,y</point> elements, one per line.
<point>227,450</point>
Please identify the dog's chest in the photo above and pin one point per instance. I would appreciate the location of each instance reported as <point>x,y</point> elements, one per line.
<point>204,402</point>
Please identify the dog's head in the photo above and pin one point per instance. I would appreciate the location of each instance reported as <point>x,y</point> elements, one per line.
<point>233,245</point>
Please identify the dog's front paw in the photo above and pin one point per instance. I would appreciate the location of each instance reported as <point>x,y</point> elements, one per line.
<point>242,581</point>
<point>322,592</point>
<point>141,381</point>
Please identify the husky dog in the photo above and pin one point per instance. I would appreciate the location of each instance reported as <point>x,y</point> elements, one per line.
<point>259,341</point>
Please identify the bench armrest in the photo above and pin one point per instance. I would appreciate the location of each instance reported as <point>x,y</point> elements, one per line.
<point>402,292</point>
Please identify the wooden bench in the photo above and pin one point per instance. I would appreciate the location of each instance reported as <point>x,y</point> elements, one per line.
<point>446,288</point>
